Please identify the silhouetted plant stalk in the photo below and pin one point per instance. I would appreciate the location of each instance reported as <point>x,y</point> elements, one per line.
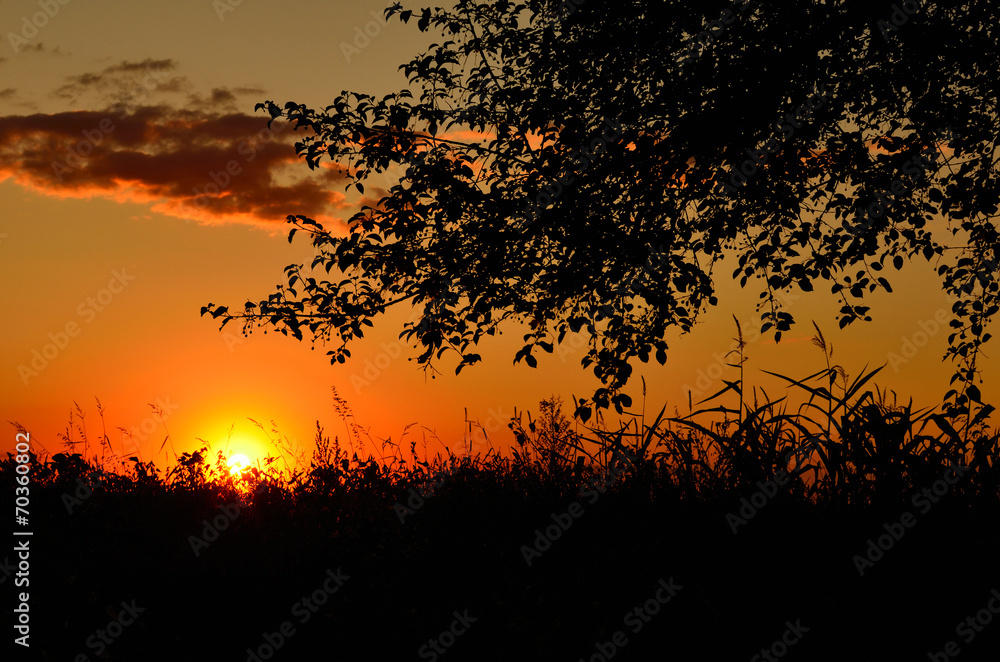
<point>852,445</point>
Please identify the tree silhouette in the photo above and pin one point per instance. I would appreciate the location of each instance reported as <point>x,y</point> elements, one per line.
<point>587,165</point>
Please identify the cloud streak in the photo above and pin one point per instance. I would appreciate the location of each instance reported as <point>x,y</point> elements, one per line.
<point>206,165</point>
<point>185,153</point>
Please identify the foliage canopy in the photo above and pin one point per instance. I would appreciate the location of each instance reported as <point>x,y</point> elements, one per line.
<point>500,213</point>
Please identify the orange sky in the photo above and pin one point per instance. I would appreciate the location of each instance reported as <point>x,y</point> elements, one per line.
<point>108,257</point>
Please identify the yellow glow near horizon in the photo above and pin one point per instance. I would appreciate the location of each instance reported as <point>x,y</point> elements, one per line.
<point>237,463</point>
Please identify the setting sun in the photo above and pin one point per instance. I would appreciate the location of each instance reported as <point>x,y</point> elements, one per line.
<point>512,330</point>
<point>237,463</point>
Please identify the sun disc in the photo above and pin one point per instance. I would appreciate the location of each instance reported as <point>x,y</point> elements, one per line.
<point>237,463</point>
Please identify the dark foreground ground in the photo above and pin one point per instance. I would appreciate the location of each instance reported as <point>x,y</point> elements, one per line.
<point>451,581</point>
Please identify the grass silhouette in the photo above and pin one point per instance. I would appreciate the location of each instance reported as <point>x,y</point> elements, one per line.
<point>859,457</point>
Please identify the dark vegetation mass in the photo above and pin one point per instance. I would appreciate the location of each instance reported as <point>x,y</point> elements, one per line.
<point>600,168</point>
<point>421,538</point>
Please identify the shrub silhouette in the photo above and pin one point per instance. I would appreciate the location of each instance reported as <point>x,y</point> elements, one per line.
<point>860,456</point>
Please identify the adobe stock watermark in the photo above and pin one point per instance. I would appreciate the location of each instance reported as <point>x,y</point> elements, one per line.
<point>248,149</point>
<point>411,158</point>
<point>909,345</point>
<point>155,70</point>
<point>22,505</point>
<point>162,410</point>
<point>105,636</point>
<point>87,310</point>
<point>210,530</point>
<point>6,569</point>
<point>791,636</point>
<point>304,609</point>
<point>23,598</point>
<point>969,628</point>
<point>701,41</point>
<point>749,507</point>
<point>758,157</point>
<point>915,168</point>
<point>582,158</point>
<point>363,37</point>
<point>77,154</point>
<point>561,522</point>
<point>894,531</point>
<point>418,495</point>
<point>223,7</point>
<point>635,619</point>
<point>567,8</point>
<point>84,490</point>
<point>31,26</point>
<point>657,258</point>
<point>440,644</point>
<point>478,435</point>
<point>232,340</point>
<point>899,17</point>
<point>373,368</point>
<point>707,377</point>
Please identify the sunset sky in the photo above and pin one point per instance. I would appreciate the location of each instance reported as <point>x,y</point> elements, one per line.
<point>116,116</point>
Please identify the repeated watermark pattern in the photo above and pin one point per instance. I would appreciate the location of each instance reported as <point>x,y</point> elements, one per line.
<point>440,644</point>
<point>916,168</point>
<point>779,648</point>
<point>223,7</point>
<point>699,43</point>
<point>582,159</point>
<point>373,368</point>
<point>625,288</point>
<point>923,501</point>
<point>899,17</point>
<point>137,434</point>
<point>635,619</point>
<point>909,345</point>
<point>104,637</point>
<point>210,530</point>
<point>221,180</point>
<point>76,155</point>
<point>88,309</point>
<point>418,495</point>
<point>304,609</point>
<point>561,522</point>
<point>786,126</point>
<point>969,628</point>
<point>84,490</point>
<point>363,36</point>
<point>710,375</point>
<point>749,507</point>
<point>30,26</point>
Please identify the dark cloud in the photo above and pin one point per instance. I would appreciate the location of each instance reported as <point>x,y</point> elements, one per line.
<point>113,82</point>
<point>126,84</point>
<point>222,96</point>
<point>7,93</point>
<point>201,164</point>
<point>250,91</point>
<point>148,63</point>
<point>226,98</point>
<point>40,47</point>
